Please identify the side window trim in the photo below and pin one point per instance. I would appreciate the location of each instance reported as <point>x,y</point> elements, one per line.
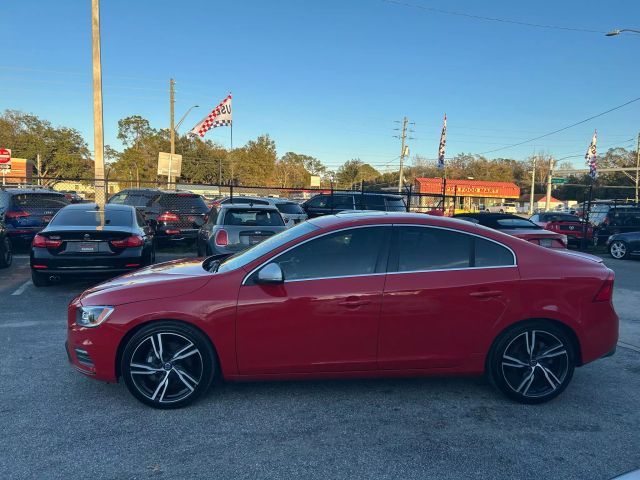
<point>393,263</point>
<point>385,252</point>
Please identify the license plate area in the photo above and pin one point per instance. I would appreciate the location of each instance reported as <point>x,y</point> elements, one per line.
<point>86,247</point>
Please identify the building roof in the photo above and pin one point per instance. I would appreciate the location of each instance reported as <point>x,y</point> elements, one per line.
<point>537,197</point>
<point>468,188</point>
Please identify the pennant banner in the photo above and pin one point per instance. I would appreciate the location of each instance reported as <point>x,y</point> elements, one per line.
<point>219,117</point>
<point>591,156</point>
<point>443,142</point>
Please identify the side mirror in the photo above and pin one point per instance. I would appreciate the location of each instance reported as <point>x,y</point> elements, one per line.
<point>270,275</point>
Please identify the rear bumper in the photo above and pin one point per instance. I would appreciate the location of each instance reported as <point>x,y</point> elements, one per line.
<point>167,234</point>
<point>599,335</point>
<point>43,261</point>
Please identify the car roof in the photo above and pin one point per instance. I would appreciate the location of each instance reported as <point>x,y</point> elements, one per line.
<point>32,190</point>
<point>245,206</point>
<point>94,206</point>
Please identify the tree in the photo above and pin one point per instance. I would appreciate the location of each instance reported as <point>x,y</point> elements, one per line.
<point>355,171</point>
<point>63,151</point>
<point>254,163</point>
<point>132,129</point>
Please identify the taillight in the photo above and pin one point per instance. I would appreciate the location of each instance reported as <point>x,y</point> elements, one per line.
<point>129,242</point>
<point>222,238</point>
<point>606,291</point>
<point>13,214</point>
<point>168,217</point>
<point>40,241</point>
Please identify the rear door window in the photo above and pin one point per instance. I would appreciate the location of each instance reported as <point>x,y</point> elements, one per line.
<point>491,254</point>
<point>253,218</point>
<point>395,204</point>
<point>370,202</point>
<point>138,200</point>
<point>319,201</point>
<point>344,202</point>
<point>424,248</point>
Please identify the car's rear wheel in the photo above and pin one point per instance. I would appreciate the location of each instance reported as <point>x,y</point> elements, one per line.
<point>618,249</point>
<point>40,279</point>
<point>168,364</point>
<point>532,362</point>
<point>7,257</point>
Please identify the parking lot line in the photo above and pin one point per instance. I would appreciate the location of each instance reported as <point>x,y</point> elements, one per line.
<point>22,288</point>
<point>629,346</point>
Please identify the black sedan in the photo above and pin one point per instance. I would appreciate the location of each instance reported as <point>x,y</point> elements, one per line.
<point>84,240</point>
<point>624,245</point>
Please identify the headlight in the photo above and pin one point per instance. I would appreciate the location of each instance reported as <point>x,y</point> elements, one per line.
<point>92,316</point>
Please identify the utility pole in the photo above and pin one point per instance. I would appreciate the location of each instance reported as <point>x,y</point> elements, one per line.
<point>549,177</point>
<point>533,186</point>
<point>98,131</point>
<point>39,166</point>
<point>172,131</point>
<point>403,139</point>
<point>637,167</point>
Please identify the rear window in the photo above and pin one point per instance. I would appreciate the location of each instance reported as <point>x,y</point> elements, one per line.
<point>39,200</point>
<point>515,223</point>
<point>253,218</point>
<point>255,201</point>
<point>92,218</point>
<point>184,202</point>
<point>291,208</point>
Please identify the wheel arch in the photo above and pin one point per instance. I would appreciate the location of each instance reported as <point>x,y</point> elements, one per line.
<point>123,342</point>
<point>573,337</point>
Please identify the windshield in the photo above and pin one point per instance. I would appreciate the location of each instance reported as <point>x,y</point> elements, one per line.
<point>255,252</point>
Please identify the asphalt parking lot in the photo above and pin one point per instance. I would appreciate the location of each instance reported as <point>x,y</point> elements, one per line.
<point>58,424</point>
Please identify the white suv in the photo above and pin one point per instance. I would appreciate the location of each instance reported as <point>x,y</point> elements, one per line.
<point>502,208</point>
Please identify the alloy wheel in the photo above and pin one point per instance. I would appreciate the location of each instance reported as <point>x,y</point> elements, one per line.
<point>618,249</point>
<point>166,367</point>
<point>535,364</point>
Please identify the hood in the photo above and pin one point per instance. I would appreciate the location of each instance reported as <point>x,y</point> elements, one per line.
<point>162,280</point>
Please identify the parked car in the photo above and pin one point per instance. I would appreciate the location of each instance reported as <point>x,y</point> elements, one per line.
<point>517,227</point>
<point>72,196</point>
<point>347,296</point>
<point>83,240</point>
<point>6,253</point>
<point>292,213</point>
<point>27,211</point>
<point>176,216</point>
<point>612,220</point>
<point>572,226</point>
<point>231,228</point>
<point>325,203</point>
<point>502,208</point>
<point>624,245</point>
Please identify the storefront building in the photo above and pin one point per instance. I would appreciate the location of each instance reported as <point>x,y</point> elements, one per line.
<point>469,195</point>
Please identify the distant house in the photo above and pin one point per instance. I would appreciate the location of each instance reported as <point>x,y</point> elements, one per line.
<point>539,203</point>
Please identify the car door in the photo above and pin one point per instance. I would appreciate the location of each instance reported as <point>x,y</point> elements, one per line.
<point>324,316</point>
<point>445,290</point>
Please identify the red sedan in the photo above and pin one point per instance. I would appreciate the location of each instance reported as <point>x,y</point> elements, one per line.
<point>345,296</point>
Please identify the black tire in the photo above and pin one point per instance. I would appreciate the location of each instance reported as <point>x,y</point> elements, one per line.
<point>40,279</point>
<point>7,256</point>
<point>528,378</point>
<point>175,382</point>
<point>619,250</point>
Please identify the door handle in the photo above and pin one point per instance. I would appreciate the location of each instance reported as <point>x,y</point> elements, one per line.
<point>354,303</point>
<point>486,294</point>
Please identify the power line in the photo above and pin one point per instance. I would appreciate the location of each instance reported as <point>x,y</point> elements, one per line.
<point>561,129</point>
<point>494,19</point>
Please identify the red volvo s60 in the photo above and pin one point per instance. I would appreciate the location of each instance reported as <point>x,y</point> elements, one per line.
<point>345,296</point>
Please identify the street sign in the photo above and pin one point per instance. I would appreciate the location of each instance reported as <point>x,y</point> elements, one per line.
<point>5,159</point>
<point>166,161</point>
<point>558,181</point>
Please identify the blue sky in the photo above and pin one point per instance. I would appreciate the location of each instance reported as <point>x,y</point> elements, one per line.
<point>329,78</point>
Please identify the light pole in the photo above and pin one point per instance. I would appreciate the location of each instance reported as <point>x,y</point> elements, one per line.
<point>184,116</point>
<point>618,31</point>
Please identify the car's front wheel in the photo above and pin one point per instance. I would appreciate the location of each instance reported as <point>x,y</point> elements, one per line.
<point>168,364</point>
<point>532,362</point>
<point>618,249</point>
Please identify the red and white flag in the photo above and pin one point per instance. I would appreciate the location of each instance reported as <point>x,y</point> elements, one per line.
<point>592,157</point>
<point>219,117</point>
<point>443,143</point>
